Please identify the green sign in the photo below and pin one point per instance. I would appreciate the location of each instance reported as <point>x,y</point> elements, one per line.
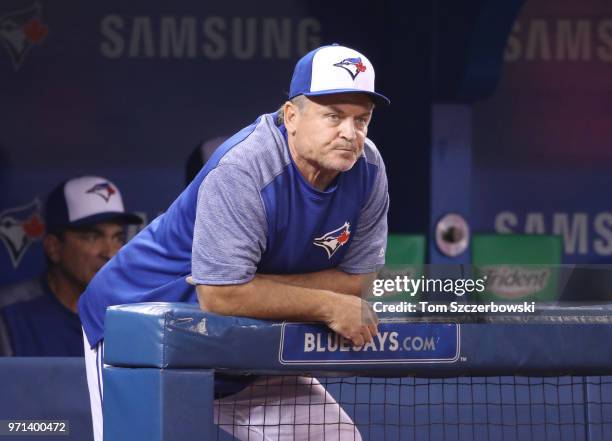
<point>517,267</point>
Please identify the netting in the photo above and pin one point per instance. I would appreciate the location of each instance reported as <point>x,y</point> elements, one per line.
<point>507,408</point>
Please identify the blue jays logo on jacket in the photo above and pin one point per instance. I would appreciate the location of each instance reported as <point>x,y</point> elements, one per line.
<point>333,240</point>
<point>104,190</point>
<point>19,227</point>
<point>20,30</point>
<point>353,66</point>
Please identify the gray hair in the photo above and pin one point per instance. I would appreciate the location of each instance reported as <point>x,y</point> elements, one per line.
<point>299,101</point>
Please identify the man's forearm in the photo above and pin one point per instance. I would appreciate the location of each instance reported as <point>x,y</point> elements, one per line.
<point>331,279</point>
<point>268,299</point>
<point>265,298</point>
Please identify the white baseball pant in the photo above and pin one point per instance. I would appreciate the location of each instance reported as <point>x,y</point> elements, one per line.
<point>279,408</point>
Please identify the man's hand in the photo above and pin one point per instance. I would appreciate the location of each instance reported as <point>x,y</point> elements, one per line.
<point>353,319</point>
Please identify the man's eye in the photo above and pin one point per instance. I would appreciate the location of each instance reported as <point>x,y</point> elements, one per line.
<point>90,237</point>
<point>333,117</point>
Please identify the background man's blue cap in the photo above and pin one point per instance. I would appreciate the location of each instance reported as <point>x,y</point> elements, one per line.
<point>86,200</point>
<point>334,69</point>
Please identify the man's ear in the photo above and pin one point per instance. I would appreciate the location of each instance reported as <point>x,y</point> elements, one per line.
<point>53,247</point>
<point>290,112</point>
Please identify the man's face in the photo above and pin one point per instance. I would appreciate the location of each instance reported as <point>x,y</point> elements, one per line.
<point>330,130</point>
<point>80,253</point>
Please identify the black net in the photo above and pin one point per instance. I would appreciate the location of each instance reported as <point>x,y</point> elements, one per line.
<point>506,408</point>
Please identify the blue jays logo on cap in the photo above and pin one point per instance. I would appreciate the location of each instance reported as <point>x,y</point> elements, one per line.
<point>103,189</point>
<point>20,30</point>
<point>322,72</point>
<point>86,200</point>
<point>352,65</point>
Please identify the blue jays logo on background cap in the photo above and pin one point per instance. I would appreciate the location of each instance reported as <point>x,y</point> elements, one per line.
<point>19,228</point>
<point>86,200</point>
<point>21,29</point>
<point>353,66</point>
<point>104,190</point>
<point>333,240</point>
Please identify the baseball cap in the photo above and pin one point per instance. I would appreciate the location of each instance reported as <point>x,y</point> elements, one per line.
<point>334,69</point>
<point>83,201</point>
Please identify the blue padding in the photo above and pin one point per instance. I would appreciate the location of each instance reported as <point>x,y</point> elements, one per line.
<point>172,335</point>
<point>182,336</point>
<point>48,388</point>
<point>157,404</point>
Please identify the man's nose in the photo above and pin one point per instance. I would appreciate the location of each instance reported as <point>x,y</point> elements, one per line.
<point>108,248</point>
<point>348,130</point>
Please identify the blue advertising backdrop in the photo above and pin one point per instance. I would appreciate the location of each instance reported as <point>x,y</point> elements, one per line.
<point>127,90</point>
<point>542,151</point>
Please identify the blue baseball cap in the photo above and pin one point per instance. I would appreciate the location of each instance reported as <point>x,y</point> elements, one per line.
<point>334,69</point>
<point>86,200</point>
